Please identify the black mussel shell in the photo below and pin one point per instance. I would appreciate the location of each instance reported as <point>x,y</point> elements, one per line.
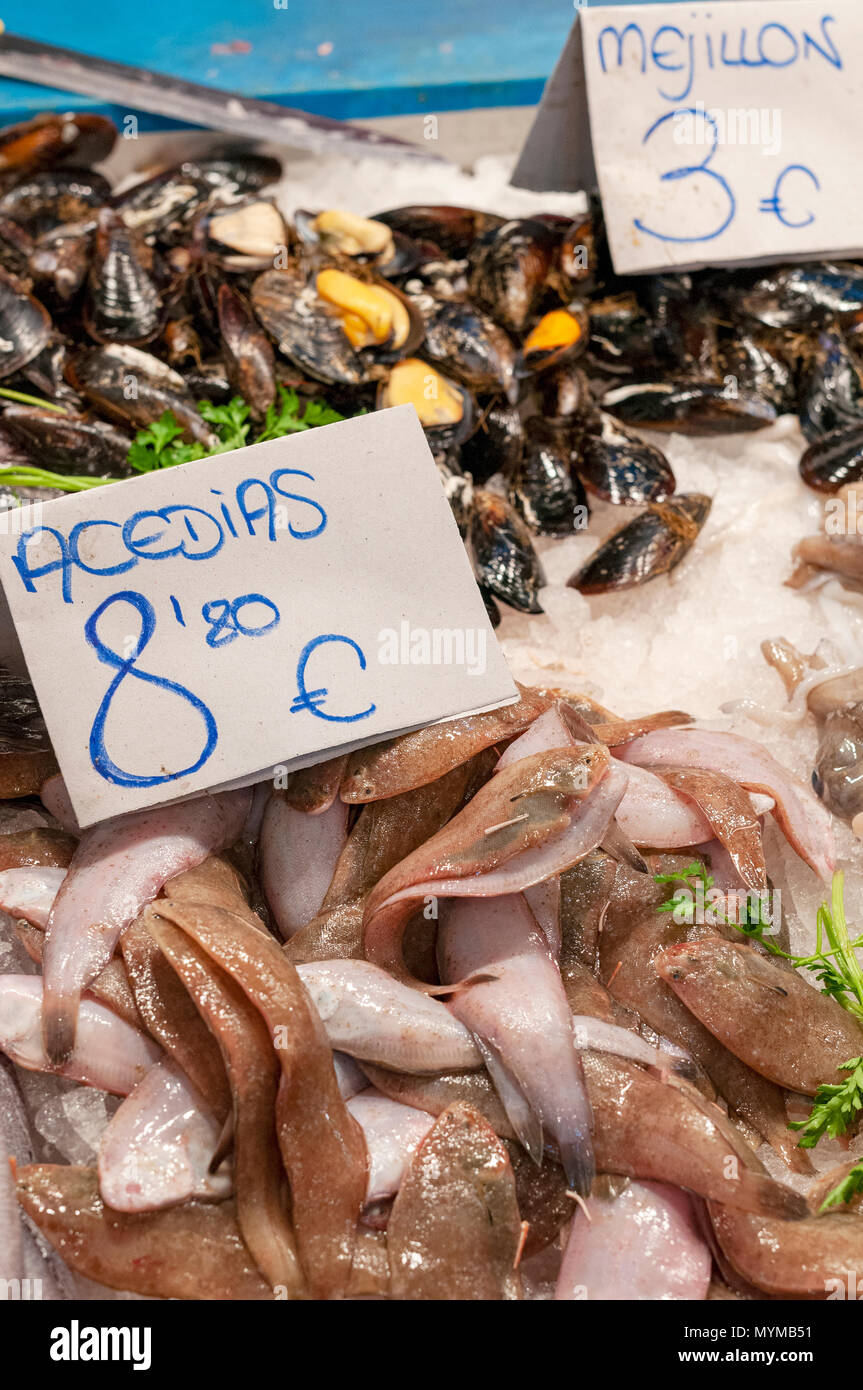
<point>247,351</point>
<point>233,171</point>
<point>51,196</point>
<point>617,466</point>
<point>209,381</point>
<point>510,270</point>
<point>69,138</point>
<point>458,489</point>
<point>455,230</point>
<point>124,301</point>
<point>834,459</point>
<point>833,396</point>
<point>541,488</point>
<point>505,561</point>
<point>496,446</point>
<point>136,388</point>
<point>652,544</point>
<point>623,338</point>
<point>804,297</point>
<point>491,607</point>
<point>758,366</point>
<point>21,722</point>
<point>688,407</point>
<point>157,202</point>
<point>25,326</point>
<point>68,442</point>
<point>465,342</point>
<point>564,393</point>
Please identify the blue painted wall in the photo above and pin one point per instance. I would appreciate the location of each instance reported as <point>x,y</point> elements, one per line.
<point>342,58</point>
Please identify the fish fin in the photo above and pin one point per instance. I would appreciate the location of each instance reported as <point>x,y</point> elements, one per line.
<point>524,1120</point>
<point>618,844</point>
<point>225,1144</point>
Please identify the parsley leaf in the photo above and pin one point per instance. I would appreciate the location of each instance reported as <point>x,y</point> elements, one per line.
<point>152,446</point>
<point>835,1108</point>
<point>851,1184</point>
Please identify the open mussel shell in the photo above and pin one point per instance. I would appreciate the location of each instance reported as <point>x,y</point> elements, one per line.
<point>135,388</point>
<point>617,466</point>
<point>248,236</point>
<point>650,545</point>
<point>834,459</point>
<point>25,326</point>
<point>510,270</point>
<point>362,239</point>
<point>446,408</point>
<point>465,342</point>
<point>304,329</point>
<point>558,337</point>
<point>124,302</point>
<point>454,230</point>
<point>541,488</point>
<point>497,444</point>
<point>688,407</point>
<point>71,443</point>
<point>336,327</point>
<point>505,562</point>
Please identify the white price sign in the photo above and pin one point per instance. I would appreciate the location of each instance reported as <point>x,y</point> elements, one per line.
<point>723,132</point>
<point>196,627</point>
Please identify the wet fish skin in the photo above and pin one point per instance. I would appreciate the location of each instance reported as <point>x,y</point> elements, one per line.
<point>194,1250</point>
<point>769,1017</point>
<point>629,965</point>
<point>816,1257</point>
<point>454,1229</point>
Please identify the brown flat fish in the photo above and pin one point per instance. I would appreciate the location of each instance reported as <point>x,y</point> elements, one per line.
<point>455,1227</point>
<point>253,1073</point>
<point>194,1250</point>
<point>767,1016</point>
<point>321,1144</point>
<point>812,1258</point>
<point>413,760</point>
<point>629,964</point>
<point>385,833</point>
<point>728,809</point>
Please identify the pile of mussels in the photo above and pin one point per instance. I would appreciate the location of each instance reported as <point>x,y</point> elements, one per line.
<point>529,362</point>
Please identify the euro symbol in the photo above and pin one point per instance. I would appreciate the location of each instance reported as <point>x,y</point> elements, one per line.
<point>313,700</point>
<point>775,204</point>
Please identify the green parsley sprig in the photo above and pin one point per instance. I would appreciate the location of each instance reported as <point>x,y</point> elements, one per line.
<point>160,445</point>
<point>844,1191</point>
<point>835,1108</point>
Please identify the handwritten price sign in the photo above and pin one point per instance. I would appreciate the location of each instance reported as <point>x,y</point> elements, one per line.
<point>196,627</point>
<point>726,132</point>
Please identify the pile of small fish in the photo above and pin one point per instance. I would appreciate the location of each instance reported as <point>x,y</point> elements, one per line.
<point>419,1025</point>
<point>531,365</point>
